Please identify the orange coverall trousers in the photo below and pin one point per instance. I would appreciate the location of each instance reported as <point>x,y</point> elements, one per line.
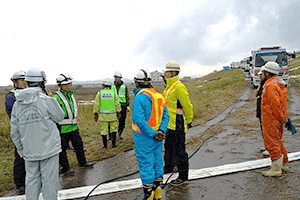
<point>274,111</point>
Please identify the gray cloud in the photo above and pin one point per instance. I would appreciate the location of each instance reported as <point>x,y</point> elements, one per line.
<point>278,23</point>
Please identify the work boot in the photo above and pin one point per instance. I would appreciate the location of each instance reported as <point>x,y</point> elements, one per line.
<point>178,182</point>
<point>104,139</point>
<point>158,185</point>
<point>148,192</point>
<point>285,167</point>
<point>21,190</point>
<point>86,165</point>
<point>69,172</point>
<point>276,167</point>
<point>113,140</point>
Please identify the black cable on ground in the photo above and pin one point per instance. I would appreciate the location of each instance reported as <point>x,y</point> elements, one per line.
<point>172,172</point>
<point>111,180</point>
<point>108,182</point>
<point>193,154</point>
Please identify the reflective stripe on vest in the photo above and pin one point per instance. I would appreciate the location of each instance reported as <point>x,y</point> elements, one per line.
<point>158,104</point>
<point>107,101</point>
<point>71,119</point>
<point>121,93</point>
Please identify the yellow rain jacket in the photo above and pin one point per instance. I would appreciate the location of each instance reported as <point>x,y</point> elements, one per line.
<point>178,102</point>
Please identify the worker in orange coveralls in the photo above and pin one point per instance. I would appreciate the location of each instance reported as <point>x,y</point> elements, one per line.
<point>274,115</point>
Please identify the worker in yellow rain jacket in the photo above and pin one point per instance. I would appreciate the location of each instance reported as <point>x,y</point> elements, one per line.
<point>181,114</point>
<point>108,105</point>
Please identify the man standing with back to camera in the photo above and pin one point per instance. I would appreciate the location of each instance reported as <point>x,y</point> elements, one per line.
<point>181,114</point>
<point>35,135</point>
<point>149,124</point>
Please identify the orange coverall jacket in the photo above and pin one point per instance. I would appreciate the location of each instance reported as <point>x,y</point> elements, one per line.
<point>274,110</point>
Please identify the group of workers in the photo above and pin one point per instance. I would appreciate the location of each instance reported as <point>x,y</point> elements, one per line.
<point>110,108</point>
<point>42,127</point>
<point>156,117</point>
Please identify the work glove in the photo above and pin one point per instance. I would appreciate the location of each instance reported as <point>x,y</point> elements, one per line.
<point>96,117</point>
<point>189,125</point>
<point>159,136</point>
<point>119,115</point>
<point>290,126</point>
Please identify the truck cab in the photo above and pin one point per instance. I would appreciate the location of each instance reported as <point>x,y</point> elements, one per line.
<point>265,54</point>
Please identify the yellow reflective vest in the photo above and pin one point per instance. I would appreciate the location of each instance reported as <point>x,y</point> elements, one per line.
<point>158,104</point>
<point>175,92</point>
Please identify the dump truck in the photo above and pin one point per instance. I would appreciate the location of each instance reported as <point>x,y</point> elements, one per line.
<point>262,56</point>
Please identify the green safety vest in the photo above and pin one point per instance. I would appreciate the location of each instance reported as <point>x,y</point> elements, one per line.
<point>107,101</point>
<point>121,92</point>
<point>71,117</point>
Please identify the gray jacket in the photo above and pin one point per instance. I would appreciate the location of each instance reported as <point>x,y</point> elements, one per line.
<point>33,124</point>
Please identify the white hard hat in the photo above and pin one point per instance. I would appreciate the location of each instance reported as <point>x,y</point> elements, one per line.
<point>142,76</point>
<point>118,74</point>
<point>106,81</point>
<point>172,66</point>
<point>271,67</point>
<point>64,79</point>
<point>18,74</point>
<point>35,75</point>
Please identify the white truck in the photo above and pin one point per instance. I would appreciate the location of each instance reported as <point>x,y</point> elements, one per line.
<point>264,54</point>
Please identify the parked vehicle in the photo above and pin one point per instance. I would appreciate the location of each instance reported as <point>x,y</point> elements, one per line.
<point>264,54</point>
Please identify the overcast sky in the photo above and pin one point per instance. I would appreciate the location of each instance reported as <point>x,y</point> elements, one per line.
<point>93,39</point>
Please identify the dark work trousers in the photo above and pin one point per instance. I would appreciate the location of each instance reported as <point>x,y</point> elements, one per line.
<point>19,170</point>
<point>76,141</point>
<point>122,120</point>
<point>175,153</point>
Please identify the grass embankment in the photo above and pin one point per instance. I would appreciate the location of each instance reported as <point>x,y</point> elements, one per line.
<point>210,95</point>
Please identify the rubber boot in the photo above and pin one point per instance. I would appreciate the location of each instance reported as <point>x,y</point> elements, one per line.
<point>158,185</point>
<point>285,167</point>
<point>275,168</point>
<point>104,139</point>
<point>113,139</point>
<point>148,192</point>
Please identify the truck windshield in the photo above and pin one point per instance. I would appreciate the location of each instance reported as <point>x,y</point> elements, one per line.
<point>280,58</point>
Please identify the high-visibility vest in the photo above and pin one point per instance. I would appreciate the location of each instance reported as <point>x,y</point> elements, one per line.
<point>158,104</point>
<point>121,93</point>
<point>71,118</point>
<point>107,101</point>
<point>166,93</point>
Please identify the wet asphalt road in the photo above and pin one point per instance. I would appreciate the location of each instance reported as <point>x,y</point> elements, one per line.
<point>227,147</point>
